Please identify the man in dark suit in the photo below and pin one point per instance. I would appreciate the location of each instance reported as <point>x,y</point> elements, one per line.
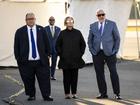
<point>104,41</point>
<point>32,51</point>
<point>53,33</point>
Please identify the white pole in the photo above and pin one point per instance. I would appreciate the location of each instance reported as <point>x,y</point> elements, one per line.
<point>137,33</point>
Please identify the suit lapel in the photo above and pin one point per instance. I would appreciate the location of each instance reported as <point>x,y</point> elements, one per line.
<point>105,27</point>
<point>25,37</point>
<point>55,33</point>
<point>49,32</point>
<point>38,34</point>
<point>97,28</point>
<point>26,33</point>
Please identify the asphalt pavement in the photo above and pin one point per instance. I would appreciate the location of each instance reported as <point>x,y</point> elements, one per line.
<point>129,74</point>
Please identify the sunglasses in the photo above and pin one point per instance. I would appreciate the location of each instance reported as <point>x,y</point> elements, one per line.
<point>30,18</point>
<point>69,21</point>
<point>51,20</point>
<point>99,15</point>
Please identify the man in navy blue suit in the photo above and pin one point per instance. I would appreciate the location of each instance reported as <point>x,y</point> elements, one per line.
<point>32,52</point>
<point>53,33</point>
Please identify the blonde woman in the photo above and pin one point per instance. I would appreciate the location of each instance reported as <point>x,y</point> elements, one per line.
<point>70,46</point>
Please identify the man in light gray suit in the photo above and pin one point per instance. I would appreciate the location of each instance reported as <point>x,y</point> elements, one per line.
<point>103,42</point>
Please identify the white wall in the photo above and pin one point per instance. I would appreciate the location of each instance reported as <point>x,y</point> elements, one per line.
<point>84,12</point>
<point>12,16</point>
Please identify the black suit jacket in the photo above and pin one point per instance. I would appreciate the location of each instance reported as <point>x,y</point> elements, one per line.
<point>53,39</point>
<point>21,45</point>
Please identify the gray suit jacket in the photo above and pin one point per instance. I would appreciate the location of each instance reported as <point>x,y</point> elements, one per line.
<point>110,38</point>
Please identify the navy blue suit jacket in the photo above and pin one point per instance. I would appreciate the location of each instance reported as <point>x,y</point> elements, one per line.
<point>52,40</point>
<point>21,45</point>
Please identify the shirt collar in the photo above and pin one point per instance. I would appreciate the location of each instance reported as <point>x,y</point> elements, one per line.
<point>52,26</point>
<point>100,22</point>
<point>34,27</point>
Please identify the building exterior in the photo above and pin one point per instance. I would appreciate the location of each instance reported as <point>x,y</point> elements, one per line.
<point>84,11</point>
<point>131,42</point>
<point>12,16</point>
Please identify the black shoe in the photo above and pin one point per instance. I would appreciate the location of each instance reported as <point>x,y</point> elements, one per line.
<point>31,98</point>
<point>102,96</point>
<point>67,97</point>
<point>53,78</point>
<point>117,97</point>
<point>48,98</point>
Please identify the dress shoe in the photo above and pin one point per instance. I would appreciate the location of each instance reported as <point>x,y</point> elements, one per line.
<point>48,98</point>
<point>53,78</point>
<point>67,97</point>
<point>117,97</point>
<point>102,96</point>
<point>75,97</point>
<point>31,98</point>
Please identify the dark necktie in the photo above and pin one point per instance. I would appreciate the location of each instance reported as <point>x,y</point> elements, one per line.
<point>33,44</point>
<point>101,28</point>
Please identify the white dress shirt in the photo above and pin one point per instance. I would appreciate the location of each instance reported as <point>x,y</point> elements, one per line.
<point>99,25</point>
<point>52,31</point>
<point>34,29</point>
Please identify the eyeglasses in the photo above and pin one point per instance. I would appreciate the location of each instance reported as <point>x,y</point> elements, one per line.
<point>30,18</point>
<point>99,15</point>
<point>69,21</point>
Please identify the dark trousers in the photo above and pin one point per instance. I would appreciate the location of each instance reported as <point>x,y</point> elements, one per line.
<point>99,60</point>
<point>70,79</point>
<point>29,71</point>
<point>53,64</point>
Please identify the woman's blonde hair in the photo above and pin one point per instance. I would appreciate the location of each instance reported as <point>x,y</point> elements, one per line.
<point>68,17</point>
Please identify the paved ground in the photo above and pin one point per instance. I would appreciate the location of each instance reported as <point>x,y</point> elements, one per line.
<point>129,73</point>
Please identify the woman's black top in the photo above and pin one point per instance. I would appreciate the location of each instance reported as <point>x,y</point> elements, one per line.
<point>70,46</point>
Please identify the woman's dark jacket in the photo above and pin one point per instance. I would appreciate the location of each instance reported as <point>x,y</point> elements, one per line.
<point>70,46</point>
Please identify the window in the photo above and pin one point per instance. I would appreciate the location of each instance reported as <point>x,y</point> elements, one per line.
<point>135,12</point>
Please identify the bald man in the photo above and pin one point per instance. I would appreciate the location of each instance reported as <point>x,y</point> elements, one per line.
<point>32,51</point>
<point>104,42</point>
<point>53,33</point>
